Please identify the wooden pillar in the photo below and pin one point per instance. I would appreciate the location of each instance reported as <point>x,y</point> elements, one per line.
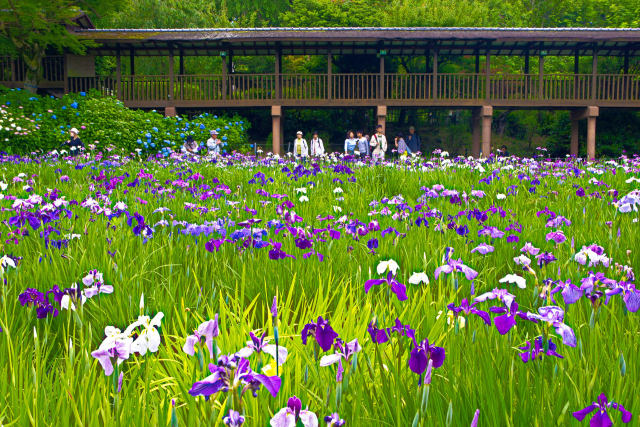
<point>594,72</point>
<point>171,78</point>
<point>486,112</point>
<point>278,72</point>
<point>119,75</point>
<point>329,76</point>
<point>224,77</point>
<point>574,144</point>
<point>132,62</point>
<point>476,79</point>
<point>381,114</point>
<point>170,111</point>
<point>592,113</point>
<point>476,132</point>
<point>381,82</point>
<point>434,72</point>
<point>276,131</point>
<point>487,74</point>
<point>541,77</point>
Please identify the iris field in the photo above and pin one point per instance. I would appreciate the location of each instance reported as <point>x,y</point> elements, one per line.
<point>191,291</point>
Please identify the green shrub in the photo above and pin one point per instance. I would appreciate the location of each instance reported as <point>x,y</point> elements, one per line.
<point>31,123</point>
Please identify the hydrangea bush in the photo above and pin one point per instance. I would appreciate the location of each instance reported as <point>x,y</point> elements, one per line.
<point>31,123</point>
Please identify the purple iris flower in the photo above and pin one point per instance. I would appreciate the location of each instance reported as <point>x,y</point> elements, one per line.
<point>321,331</point>
<point>261,345</point>
<point>499,294</point>
<point>293,414</point>
<point>507,318</point>
<point>456,265</point>
<point>207,330</point>
<point>469,309</point>
<point>483,249</point>
<point>277,253</point>
<point>538,350</point>
<point>557,236</point>
<point>229,373</point>
<point>112,351</point>
<point>334,420</point>
<point>342,352</point>
<point>493,232</point>
<point>372,244</point>
<point>601,417</point>
<point>396,287</point>
<point>530,249</point>
<point>380,336</point>
<point>233,419</point>
<point>554,316</point>
<point>214,244</point>
<point>422,353</point>
<point>35,298</point>
<point>570,292</point>
<point>545,258</point>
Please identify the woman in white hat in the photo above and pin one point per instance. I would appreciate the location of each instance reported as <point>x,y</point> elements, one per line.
<point>300,147</point>
<point>213,143</point>
<point>74,142</point>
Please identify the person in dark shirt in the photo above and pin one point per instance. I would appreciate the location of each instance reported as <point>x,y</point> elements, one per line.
<point>74,143</point>
<point>503,152</point>
<point>413,140</point>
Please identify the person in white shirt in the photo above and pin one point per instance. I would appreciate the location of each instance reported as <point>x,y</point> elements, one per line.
<point>300,147</point>
<point>317,146</point>
<point>378,143</point>
<point>213,143</point>
<point>350,143</point>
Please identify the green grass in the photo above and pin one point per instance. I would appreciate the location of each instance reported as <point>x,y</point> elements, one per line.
<point>52,379</point>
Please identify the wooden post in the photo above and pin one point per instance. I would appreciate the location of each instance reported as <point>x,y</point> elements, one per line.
<point>541,77</point>
<point>476,81</point>
<point>276,129</point>
<point>626,62</point>
<point>594,72</point>
<point>171,77</point>
<point>381,113</point>
<point>527,77</point>
<point>224,78</point>
<point>132,62</point>
<point>329,75</point>
<point>625,70</point>
<point>486,112</point>
<point>435,74</point>
<point>119,75</point>
<point>592,113</point>
<point>576,71</point>
<point>487,73</point>
<point>278,72</point>
<point>181,72</point>
<point>381,82</point>
<point>574,144</point>
<point>476,132</point>
<point>66,73</point>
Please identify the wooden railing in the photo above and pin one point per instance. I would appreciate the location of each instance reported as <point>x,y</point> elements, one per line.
<point>410,88</point>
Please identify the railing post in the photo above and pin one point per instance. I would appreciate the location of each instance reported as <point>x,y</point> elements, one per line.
<point>594,72</point>
<point>476,80</point>
<point>487,72</point>
<point>329,75</point>
<point>14,70</point>
<point>224,77</point>
<point>435,74</point>
<point>381,82</point>
<point>527,77</point>
<point>576,71</point>
<point>119,75</point>
<point>278,72</point>
<point>171,77</point>
<point>66,74</point>
<point>541,77</point>
<point>625,70</point>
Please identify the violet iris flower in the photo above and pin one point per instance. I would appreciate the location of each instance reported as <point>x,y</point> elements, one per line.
<point>483,249</point>
<point>277,253</point>
<point>112,350</point>
<point>469,309</point>
<point>334,420</point>
<point>499,294</point>
<point>507,318</point>
<point>538,350</point>
<point>557,236</point>
<point>493,232</point>
<point>396,287</point>
<point>207,330</point>
<point>233,419</point>
<point>554,316</point>
<point>530,249</point>
<point>601,417</point>
<point>456,265</point>
<point>342,352</point>
<point>261,345</point>
<point>229,373</point>
<point>570,292</point>
<point>380,336</point>
<point>422,353</point>
<point>35,298</point>
<point>321,331</point>
<point>292,413</point>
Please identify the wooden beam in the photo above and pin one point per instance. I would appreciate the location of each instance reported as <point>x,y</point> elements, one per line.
<point>181,65</point>
<point>626,62</point>
<point>540,77</point>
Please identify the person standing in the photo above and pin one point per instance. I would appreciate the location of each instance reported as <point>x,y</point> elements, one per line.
<point>402,146</point>
<point>74,142</point>
<point>350,143</point>
<point>378,144</point>
<point>213,143</point>
<point>300,147</point>
<point>317,146</point>
<point>413,140</point>
<point>363,145</point>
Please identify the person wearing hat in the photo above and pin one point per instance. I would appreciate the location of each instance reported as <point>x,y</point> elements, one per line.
<point>190,146</point>
<point>213,143</point>
<point>300,147</point>
<point>317,146</point>
<point>74,142</point>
